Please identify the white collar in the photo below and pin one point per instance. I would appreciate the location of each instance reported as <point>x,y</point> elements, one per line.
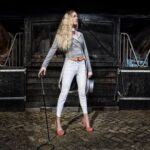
<point>76,35</point>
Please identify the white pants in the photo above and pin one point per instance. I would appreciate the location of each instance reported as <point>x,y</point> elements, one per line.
<point>71,69</point>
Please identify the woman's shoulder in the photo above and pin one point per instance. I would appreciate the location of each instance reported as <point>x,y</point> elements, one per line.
<point>79,32</point>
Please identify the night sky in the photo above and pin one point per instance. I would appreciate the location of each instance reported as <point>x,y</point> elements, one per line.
<point>25,7</point>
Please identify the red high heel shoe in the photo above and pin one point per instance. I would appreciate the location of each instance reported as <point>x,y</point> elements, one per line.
<point>88,129</point>
<point>59,132</point>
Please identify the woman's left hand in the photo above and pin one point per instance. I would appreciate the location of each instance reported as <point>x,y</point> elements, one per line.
<point>90,74</point>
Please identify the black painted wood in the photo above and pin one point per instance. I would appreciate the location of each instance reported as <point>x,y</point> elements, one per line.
<point>103,94</point>
<point>12,91</point>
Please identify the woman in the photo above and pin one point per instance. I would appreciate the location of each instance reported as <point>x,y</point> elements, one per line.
<point>72,43</point>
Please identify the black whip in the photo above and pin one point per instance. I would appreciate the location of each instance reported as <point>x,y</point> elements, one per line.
<point>48,142</point>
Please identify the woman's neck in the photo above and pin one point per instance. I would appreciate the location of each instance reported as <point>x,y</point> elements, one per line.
<point>73,31</point>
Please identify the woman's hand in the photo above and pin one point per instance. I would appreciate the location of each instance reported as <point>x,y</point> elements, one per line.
<point>42,72</point>
<point>90,74</point>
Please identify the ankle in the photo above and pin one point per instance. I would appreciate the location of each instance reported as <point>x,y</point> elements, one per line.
<point>86,125</point>
<point>58,124</point>
<point>86,121</point>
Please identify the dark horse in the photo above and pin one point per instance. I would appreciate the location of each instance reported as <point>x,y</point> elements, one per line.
<point>5,40</point>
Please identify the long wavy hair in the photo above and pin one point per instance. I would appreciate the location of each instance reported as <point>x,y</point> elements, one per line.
<point>64,32</point>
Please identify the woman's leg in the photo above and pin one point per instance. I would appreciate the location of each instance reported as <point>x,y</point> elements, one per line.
<point>81,81</point>
<point>68,75</point>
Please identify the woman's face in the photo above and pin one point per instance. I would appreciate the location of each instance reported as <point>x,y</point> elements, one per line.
<point>75,18</point>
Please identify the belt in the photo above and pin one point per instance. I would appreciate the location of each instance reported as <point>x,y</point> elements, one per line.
<point>77,58</point>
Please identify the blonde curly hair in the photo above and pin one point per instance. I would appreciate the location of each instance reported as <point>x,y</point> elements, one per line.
<point>64,32</point>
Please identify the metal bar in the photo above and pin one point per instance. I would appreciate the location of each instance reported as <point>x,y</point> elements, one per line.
<point>146,58</point>
<point>134,98</point>
<point>129,40</point>
<point>14,50</point>
<point>128,52</point>
<point>137,71</point>
<point>13,98</point>
<point>19,50</point>
<point>124,52</point>
<point>12,70</point>
<point>13,54</point>
<point>11,48</point>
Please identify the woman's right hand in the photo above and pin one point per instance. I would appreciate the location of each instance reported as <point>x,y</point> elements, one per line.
<point>42,72</point>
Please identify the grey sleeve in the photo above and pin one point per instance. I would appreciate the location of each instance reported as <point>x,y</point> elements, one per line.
<point>88,63</point>
<point>50,54</point>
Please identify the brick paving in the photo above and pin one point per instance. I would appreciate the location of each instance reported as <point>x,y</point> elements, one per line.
<point>114,130</point>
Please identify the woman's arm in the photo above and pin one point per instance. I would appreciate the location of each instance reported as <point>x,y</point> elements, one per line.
<point>50,54</point>
<point>88,63</point>
<point>42,71</point>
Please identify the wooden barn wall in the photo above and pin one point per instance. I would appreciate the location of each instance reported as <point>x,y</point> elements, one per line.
<point>102,38</point>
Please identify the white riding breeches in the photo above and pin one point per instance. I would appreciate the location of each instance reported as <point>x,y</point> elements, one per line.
<point>71,69</point>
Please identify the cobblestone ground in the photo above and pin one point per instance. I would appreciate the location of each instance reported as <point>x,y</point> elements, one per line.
<point>114,130</point>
